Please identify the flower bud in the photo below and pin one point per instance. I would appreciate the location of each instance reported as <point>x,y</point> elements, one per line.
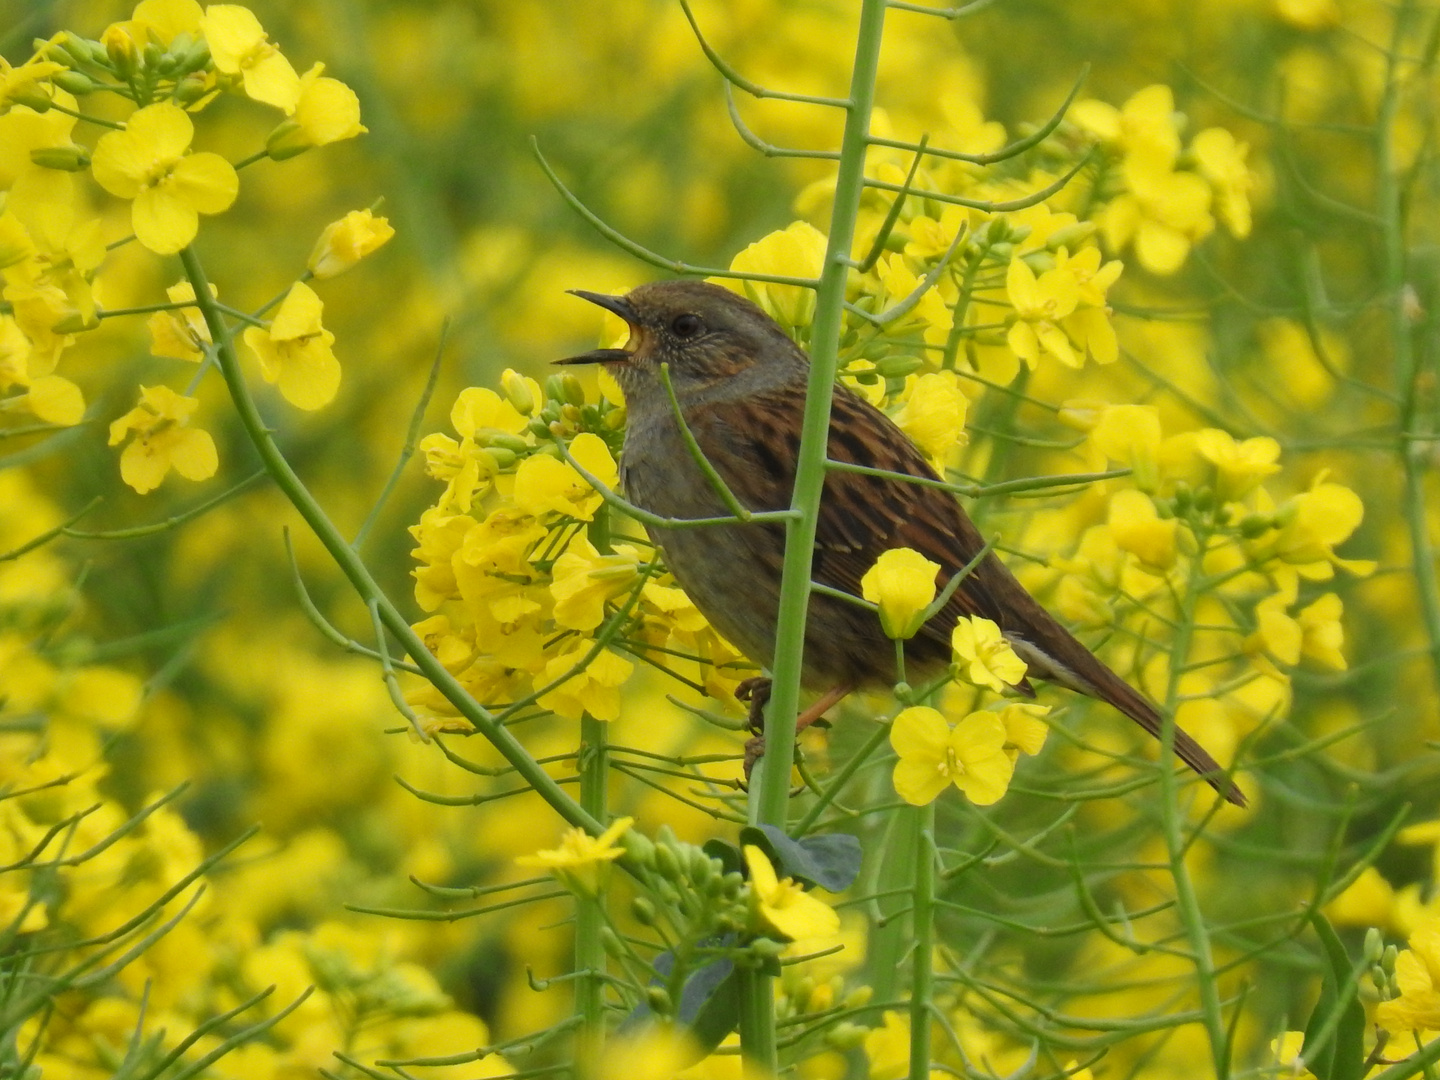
<point>1374,945</point>
<point>502,440</point>
<point>74,82</point>
<point>152,54</point>
<point>897,367</point>
<point>32,97</point>
<point>639,847</point>
<point>1256,525</point>
<point>702,867</point>
<point>119,49</point>
<point>611,943</point>
<point>79,50</point>
<point>571,389</point>
<point>845,1036</point>
<point>642,909</point>
<point>190,89</point>
<point>517,391</point>
<point>502,457</point>
<point>65,158</point>
<point>666,862</point>
<point>196,56</point>
<point>858,998</point>
<point>659,1000</point>
<point>1071,236</point>
<point>767,948</point>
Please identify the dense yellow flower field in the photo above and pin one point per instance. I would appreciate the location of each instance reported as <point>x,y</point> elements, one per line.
<point>352,724</point>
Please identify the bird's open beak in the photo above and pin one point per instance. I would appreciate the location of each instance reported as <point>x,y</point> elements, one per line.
<point>620,306</point>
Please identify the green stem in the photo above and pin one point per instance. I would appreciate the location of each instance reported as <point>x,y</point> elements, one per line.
<point>768,805</point>
<point>922,979</point>
<point>769,794</point>
<point>354,568</point>
<point>1187,902</point>
<point>893,879</point>
<point>590,910</point>
<point>757,1019</point>
<point>1411,371</point>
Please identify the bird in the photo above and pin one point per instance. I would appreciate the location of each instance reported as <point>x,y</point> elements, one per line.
<point>740,384</point>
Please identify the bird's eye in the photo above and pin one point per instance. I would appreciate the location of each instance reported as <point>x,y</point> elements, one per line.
<point>686,326</point>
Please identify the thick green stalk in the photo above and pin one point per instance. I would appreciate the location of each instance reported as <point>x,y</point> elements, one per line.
<point>922,919</point>
<point>757,1019</point>
<point>354,568</point>
<point>773,788</point>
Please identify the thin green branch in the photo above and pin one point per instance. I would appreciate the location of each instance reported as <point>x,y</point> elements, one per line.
<point>356,571</point>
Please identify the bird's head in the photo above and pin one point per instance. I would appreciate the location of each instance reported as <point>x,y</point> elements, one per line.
<point>705,334</point>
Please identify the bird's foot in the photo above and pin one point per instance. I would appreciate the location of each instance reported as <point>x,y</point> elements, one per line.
<point>756,693</point>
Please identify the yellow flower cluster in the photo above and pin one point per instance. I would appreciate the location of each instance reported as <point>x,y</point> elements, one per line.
<point>533,600</point>
<point>169,61</point>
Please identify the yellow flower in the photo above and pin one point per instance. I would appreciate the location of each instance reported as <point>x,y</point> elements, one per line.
<point>1276,631</point>
<point>1369,900</point>
<point>933,755</point>
<point>798,250</point>
<point>1323,636</point>
<point>180,334</point>
<point>934,413</point>
<point>326,111</point>
<point>239,46</point>
<point>1130,435</point>
<point>1138,529</point>
<point>652,1052</point>
<point>582,580</point>
<point>1310,525</point>
<point>545,484</point>
<point>1040,304</point>
<point>594,688</point>
<point>902,582</point>
<point>983,656</point>
<point>581,860</point>
<point>1221,161</point>
<point>149,162</point>
<point>1025,731</point>
<point>345,242</point>
<point>1239,467</point>
<point>295,351</point>
<point>23,80</point>
<point>887,1047</point>
<point>163,440</point>
<point>1417,973</point>
<point>783,907</point>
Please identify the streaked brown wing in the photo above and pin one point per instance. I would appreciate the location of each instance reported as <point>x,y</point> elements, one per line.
<point>861,516</point>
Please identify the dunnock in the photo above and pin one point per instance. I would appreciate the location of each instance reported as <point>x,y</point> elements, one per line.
<point>740,382</point>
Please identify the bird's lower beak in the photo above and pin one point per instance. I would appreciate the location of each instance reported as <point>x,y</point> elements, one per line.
<point>618,305</point>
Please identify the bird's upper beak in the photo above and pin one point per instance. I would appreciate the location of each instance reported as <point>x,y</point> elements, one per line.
<point>620,306</point>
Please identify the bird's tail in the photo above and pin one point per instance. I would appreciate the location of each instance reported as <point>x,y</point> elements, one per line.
<point>1082,671</point>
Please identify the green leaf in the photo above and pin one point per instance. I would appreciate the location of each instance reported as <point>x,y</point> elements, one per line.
<point>709,1003</point>
<point>728,854</point>
<point>829,860</point>
<point>1340,1054</point>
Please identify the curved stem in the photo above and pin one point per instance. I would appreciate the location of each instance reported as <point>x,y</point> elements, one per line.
<point>354,568</point>
<point>922,979</point>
